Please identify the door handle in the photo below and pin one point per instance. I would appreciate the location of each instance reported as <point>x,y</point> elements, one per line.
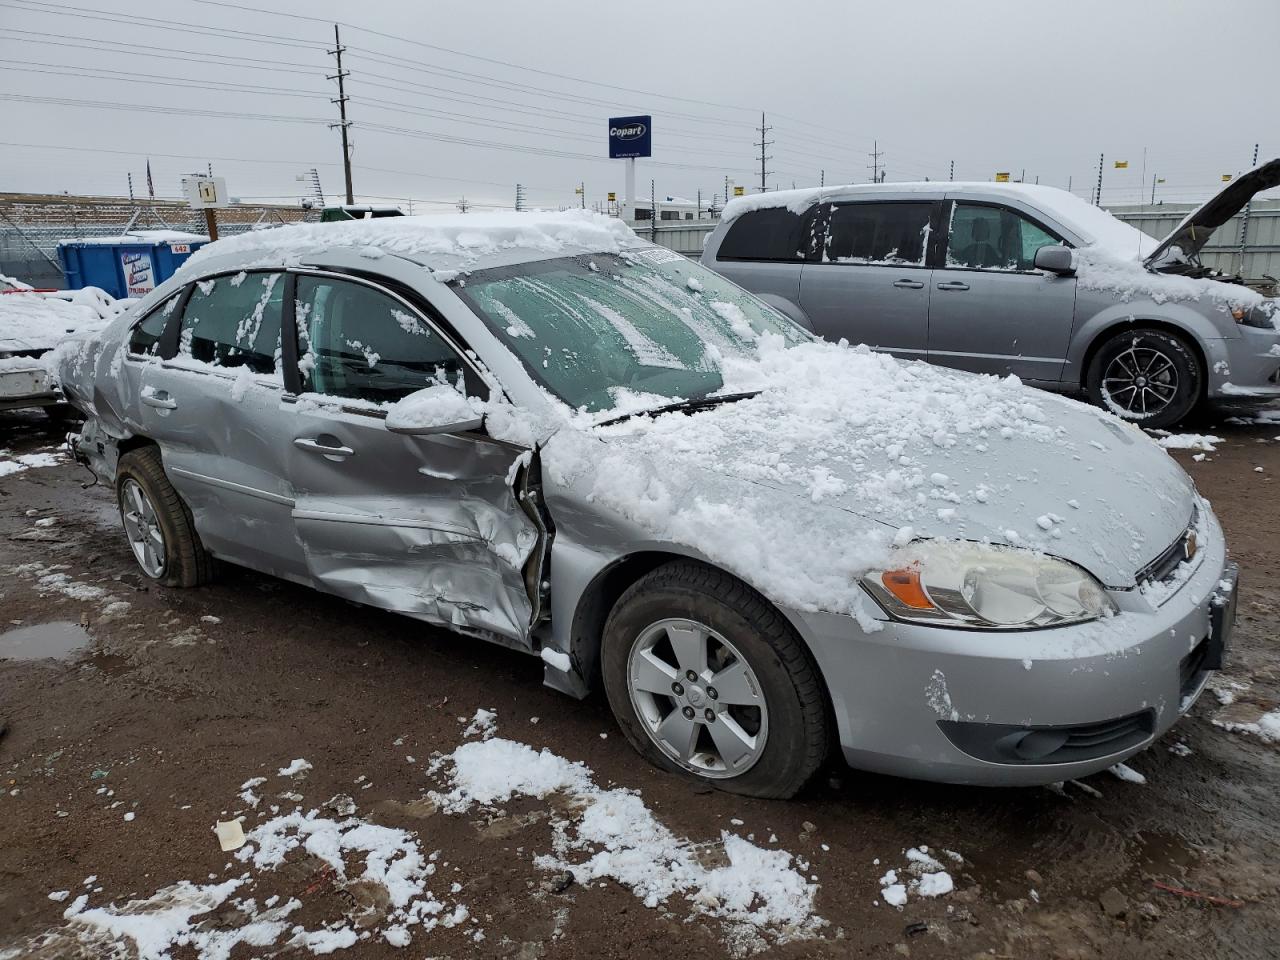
<point>159,399</point>
<point>953,285</point>
<point>908,284</point>
<point>334,452</point>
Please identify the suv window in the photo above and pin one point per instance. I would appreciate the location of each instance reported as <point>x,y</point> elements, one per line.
<point>994,238</point>
<point>892,233</point>
<point>356,341</point>
<point>769,234</point>
<point>145,338</point>
<point>234,321</point>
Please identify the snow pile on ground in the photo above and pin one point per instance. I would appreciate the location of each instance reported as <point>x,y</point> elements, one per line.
<point>610,834</point>
<point>923,876</point>
<point>386,868</point>
<point>1190,441</point>
<point>28,461</point>
<point>1267,726</point>
<point>444,243</point>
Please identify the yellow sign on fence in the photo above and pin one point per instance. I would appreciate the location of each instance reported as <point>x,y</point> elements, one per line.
<point>739,191</point>
<point>1122,164</point>
<point>612,196</point>
<point>1226,177</point>
<point>1002,178</point>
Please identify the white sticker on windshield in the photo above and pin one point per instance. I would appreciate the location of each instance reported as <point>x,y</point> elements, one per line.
<point>660,255</point>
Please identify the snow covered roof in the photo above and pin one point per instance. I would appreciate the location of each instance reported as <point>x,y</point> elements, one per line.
<point>1092,223</point>
<point>442,242</point>
<point>143,236</point>
<point>33,321</point>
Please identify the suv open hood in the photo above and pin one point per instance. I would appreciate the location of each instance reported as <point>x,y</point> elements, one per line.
<point>1193,233</point>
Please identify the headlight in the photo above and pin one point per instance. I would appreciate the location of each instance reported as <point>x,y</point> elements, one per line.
<point>1261,315</point>
<point>961,584</point>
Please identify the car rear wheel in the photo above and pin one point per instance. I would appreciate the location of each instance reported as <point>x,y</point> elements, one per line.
<point>157,524</point>
<point>1146,376</point>
<point>708,680</point>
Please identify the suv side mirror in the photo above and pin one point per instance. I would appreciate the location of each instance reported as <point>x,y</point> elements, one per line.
<point>440,408</point>
<point>1055,259</point>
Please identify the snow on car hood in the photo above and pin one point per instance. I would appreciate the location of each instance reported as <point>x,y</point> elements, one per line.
<point>868,452</point>
<point>1190,236</point>
<point>34,322</point>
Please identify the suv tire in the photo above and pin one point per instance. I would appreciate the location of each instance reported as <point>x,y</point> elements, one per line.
<point>1146,376</point>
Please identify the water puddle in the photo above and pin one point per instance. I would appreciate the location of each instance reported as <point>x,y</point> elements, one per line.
<point>43,641</point>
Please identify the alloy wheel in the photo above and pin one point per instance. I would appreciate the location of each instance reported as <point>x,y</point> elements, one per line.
<point>697,698</point>
<point>142,528</point>
<point>1142,381</point>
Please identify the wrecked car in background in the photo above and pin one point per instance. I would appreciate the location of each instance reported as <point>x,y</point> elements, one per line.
<point>34,322</point>
<point>1016,279</point>
<point>541,431</point>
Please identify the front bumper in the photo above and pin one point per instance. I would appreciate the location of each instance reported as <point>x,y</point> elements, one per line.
<point>1244,371</point>
<point>906,696</point>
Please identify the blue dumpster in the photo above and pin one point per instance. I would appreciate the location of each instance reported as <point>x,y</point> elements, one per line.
<point>130,265</point>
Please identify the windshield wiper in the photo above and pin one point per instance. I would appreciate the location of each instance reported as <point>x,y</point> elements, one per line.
<point>700,403</point>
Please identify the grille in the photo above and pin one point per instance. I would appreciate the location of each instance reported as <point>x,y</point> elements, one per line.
<point>1163,566</point>
<point>1192,666</point>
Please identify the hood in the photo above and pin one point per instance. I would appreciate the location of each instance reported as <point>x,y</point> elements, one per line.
<point>806,486</point>
<point>1190,236</point>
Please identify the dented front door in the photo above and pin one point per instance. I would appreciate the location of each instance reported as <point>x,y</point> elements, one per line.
<point>424,525</point>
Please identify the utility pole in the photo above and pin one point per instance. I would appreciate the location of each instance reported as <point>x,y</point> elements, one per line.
<point>343,122</point>
<point>698,214</point>
<point>764,174</point>
<point>952,174</point>
<point>1097,200</point>
<point>131,187</point>
<point>463,206</point>
<point>822,178</point>
<point>1244,221</point>
<point>519,197</point>
<point>726,188</point>
<point>582,192</point>
<point>875,155</point>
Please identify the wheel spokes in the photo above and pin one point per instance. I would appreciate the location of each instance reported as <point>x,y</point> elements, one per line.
<point>733,686</point>
<point>650,675</point>
<point>732,742</point>
<point>680,733</point>
<point>689,643</point>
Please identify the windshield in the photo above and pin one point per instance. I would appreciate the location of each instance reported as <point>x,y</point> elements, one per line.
<point>595,330</point>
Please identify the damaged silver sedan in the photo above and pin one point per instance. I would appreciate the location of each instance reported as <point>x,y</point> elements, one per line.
<point>540,431</point>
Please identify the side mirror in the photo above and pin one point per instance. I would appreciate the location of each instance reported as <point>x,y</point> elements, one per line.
<point>437,409</point>
<point>1055,259</point>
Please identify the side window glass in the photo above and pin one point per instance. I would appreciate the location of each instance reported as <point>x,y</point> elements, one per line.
<point>234,321</point>
<point>878,233</point>
<point>769,234</point>
<point>993,238</point>
<point>356,341</point>
<point>145,339</point>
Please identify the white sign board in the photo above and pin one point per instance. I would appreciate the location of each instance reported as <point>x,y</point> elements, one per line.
<point>139,273</point>
<point>204,192</point>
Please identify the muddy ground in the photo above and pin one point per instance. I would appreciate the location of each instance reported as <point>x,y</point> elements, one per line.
<point>165,713</point>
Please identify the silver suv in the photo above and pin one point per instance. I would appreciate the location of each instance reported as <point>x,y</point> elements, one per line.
<point>1015,279</point>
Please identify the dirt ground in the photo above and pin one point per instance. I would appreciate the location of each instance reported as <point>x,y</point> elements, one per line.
<point>165,712</point>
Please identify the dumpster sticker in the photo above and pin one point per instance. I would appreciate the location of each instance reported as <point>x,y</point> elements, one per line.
<point>139,273</point>
<point>180,247</point>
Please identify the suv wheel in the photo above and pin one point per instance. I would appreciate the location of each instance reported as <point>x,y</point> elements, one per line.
<point>1148,377</point>
<point>157,524</point>
<point>708,680</point>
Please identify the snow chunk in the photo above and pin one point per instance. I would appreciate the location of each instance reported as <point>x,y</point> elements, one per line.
<point>1126,773</point>
<point>293,769</point>
<point>483,725</point>
<point>1190,441</point>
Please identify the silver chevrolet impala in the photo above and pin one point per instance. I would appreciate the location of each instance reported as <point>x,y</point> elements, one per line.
<point>540,431</point>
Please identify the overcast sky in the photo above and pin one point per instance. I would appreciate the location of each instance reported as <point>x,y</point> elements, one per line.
<point>1043,88</point>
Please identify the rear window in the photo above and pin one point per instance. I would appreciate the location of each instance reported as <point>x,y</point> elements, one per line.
<point>770,234</point>
<point>889,233</point>
<point>234,321</point>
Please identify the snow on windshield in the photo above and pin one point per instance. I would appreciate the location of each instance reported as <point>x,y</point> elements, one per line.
<point>597,332</point>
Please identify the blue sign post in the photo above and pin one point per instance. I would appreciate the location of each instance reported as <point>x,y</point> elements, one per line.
<point>630,137</point>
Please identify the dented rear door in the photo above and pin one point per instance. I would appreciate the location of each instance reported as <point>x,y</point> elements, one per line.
<point>428,526</point>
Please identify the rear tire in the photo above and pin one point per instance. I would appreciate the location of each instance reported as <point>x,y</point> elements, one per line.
<point>765,733</point>
<point>151,507</point>
<point>1149,377</point>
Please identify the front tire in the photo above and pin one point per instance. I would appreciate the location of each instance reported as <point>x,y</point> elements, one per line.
<point>1148,377</point>
<point>158,525</point>
<point>708,680</point>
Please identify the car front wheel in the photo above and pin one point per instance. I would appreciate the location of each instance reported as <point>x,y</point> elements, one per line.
<point>1146,376</point>
<point>157,524</point>
<point>708,680</point>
